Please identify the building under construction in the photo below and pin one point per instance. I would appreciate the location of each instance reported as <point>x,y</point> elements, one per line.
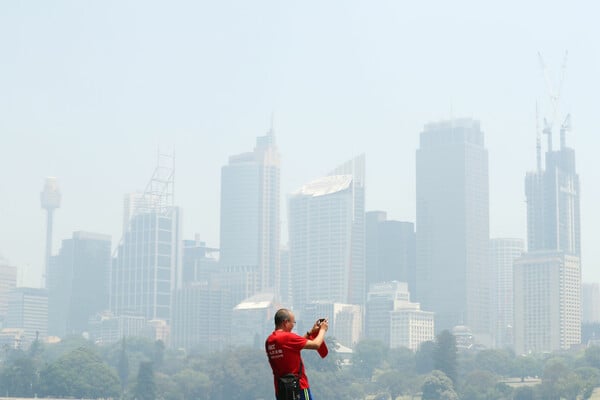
<point>147,266</point>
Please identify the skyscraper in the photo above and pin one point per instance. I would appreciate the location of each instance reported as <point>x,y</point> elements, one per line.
<point>356,168</point>
<point>147,268</point>
<point>28,310</point>
<point>590,303</point>
<point>250,226</point>
<point>8,281</point>
<point>390,250</point>
<point>452,276</point>
<point>548,277</point>
<point>503,252</point>
<point>553,221</point>
<point>78,283</point>
<point>202,306</point>
<point>201,316</point>
<point>547,301</point>
<point>326,238</point>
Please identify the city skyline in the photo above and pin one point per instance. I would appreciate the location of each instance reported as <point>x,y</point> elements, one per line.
<point>91,92</point>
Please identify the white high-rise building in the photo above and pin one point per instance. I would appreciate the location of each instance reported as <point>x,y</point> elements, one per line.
<point>326,238</point>
<point>410,326</point>
<point>250,225</point>
<point>547,308</point>
<point>393,319</point>
<point>28,310</point>
<point>503,252</point>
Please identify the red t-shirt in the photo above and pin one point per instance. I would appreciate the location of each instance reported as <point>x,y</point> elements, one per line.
<point>283,350</point>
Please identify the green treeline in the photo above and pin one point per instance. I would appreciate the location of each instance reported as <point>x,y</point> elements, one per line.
<point>137,368</point>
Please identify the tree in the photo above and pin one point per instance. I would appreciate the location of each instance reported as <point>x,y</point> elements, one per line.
<point>168,389</point>
<point>523,393</point>
<point>193,384</point>
<point>19,378</point>
<point>123,366</point>
<point>158,354</point>
<point>559,382</point>
<point>444,354</point>
<point>592,356</point>
<point>479,385</point>
<point>589,377</point>
<point>80,373</point>
<point>235,373</point>
<point>368,355</point>
<point>402,359</point>
<point>424,358</point>
<point>394,381</point>
<point>497,361</point>
<point>438,386</point>
<point>145,386</point>
<point>525,366</point>
<point>333,385</point>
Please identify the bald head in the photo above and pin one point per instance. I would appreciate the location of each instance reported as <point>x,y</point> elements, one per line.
<point>282,315</point>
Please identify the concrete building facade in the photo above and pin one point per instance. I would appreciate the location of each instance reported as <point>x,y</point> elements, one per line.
<point>250,219</point>
<point>453,277</point>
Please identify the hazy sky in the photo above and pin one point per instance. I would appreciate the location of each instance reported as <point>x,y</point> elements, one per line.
<point>90,90</point>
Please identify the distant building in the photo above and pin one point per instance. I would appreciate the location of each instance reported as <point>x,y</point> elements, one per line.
<point>253,320</point>
<point>147,268</point>
<point>393,319</point>
<point>202,317</point>
<point>453,277</point>
<point>11,338</point>
<point>382,299</point>
<point>199,261</point>
<point>8,281</point>
<point>390,250</point>
<point>326,238</point>
<point>548,277</point>
<point>158,330</point>
<point>464,337</point>
<point>78,283</point>
<point>547,302</point>
<point>250,220</point>
<point>410,326</point>
<point>345,320</point>
<point>28,310</point>
<point>503,252</point>
<point>553,211</point>
<point>106,328</point>
<point>590,303</point>
<point>285,285</point>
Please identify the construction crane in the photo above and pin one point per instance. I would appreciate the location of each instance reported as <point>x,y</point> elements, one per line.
<point>554,96</point>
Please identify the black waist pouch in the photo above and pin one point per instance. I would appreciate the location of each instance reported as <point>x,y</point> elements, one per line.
<point>288,387</point>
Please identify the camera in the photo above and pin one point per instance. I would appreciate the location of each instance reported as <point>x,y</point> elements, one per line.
<point>320,320</point>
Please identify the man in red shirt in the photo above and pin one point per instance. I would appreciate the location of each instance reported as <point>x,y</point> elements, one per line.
<point>283,348</point>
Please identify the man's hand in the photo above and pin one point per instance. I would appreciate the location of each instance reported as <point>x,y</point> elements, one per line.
<point>317,326</point>
<point>324,324</point>
<point>318,334</point>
